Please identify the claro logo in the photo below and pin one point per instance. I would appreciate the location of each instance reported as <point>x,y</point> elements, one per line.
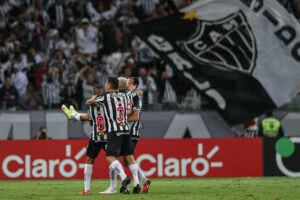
<point>285,148</point>
<point>42,168</point>
<point>179,166</point>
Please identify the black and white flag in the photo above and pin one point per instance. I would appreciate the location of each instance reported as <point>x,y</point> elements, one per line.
<point>242,54</point>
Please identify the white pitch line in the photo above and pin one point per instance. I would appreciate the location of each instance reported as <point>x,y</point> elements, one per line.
<point>68,150</point>
<point>80,153</point>
<point>200,149</point>
<point>212,152</point>
<point>216,164</point>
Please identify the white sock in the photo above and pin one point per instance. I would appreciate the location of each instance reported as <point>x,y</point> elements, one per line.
<point>141,175</point>
<point>116,165</point>
<point>75,116</point>
<point>88,169</point>
<point>134,170</point>
<point>113,178</point>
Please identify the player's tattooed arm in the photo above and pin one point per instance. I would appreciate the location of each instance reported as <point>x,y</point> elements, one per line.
<point>134,116</point>
<point>90,101</point>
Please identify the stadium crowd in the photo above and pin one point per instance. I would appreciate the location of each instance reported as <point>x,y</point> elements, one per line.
<point>55,51</point>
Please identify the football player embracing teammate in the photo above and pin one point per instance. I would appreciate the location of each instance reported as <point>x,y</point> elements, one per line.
<point>98,136</point>
<point>129,86</point>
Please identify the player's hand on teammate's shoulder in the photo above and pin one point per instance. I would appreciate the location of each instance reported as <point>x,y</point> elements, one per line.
<point>90,101</point>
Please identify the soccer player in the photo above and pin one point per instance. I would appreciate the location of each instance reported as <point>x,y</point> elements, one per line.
<point>129,86</point>
<point>119,139</point>
<point>98,136</point>
<point>135,127</point>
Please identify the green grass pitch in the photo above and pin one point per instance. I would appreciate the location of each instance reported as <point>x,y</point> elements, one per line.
<point>162,189</point>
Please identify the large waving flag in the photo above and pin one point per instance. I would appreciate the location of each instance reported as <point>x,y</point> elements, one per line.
<point>242,54</point>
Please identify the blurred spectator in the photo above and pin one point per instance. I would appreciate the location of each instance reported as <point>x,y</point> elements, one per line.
<point>32,100</point>
<point>148,85</point>
<point>40,74</point>
<point>34,57</point>
<point>53,40</point>
<point>101,74</point>
<point>20,82</point>
<point>87,38</point>
<point>42,134</point>
<point>250,128</point>
<point>66,45</point>
<point>20,62</point>
<point>51,89</point>
<point>148,6</point>
<point>9,96</point>
<point>96,11</point>
<point>57,14</point>
<point>59,50</point>
<point>71,78</point>
<point>4,9</point>
<point>167,93</point>
<point>192,100</point>
<point>88,82</point>
<point>270,127</point>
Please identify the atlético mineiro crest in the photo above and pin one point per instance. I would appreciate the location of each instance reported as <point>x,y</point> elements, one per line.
<point>227,43</point>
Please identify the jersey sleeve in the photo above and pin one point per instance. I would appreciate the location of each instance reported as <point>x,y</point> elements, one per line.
<point>136,103</point>
<point>99,100</point>
<point>89,113</point>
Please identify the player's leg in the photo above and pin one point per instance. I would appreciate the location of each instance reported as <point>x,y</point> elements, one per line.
<point>144,180</point>
<point>112,189</point>
<point>128,151</point>
<point>72,114</point>
<point>88,170</point>
<point>66,111</point>
<point>75,116</point>
<point>92,152</point>
<point>113,152</point>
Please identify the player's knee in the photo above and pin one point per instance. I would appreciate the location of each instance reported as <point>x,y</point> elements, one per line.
<point>130,159</point>
<point>90,160</point>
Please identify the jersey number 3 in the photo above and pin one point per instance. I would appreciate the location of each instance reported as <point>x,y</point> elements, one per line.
<point>121,114</point>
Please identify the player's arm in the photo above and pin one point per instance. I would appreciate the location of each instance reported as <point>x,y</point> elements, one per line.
<point>129,113</point>
<point>95,99</point>
<point>135,114</point>
<point>91,101</point>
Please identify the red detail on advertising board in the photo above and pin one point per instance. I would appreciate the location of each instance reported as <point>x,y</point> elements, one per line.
<point>158,158</point>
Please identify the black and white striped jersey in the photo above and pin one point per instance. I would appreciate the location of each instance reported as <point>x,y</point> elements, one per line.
<point>97,122</point>
<point>115,112</point>
<point>250,132</point>
<point>136,105</point>
<point>123,6</point>
<point>148,5</point>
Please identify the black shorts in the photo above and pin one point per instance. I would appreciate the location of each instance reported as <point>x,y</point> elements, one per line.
<point>134,143</point>
<point>119,145</point>
<point>94,148</point>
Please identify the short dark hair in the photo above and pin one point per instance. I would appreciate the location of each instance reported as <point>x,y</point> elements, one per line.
<point>114,82</point>
<point>135,81</point>
<point>269,113</point>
